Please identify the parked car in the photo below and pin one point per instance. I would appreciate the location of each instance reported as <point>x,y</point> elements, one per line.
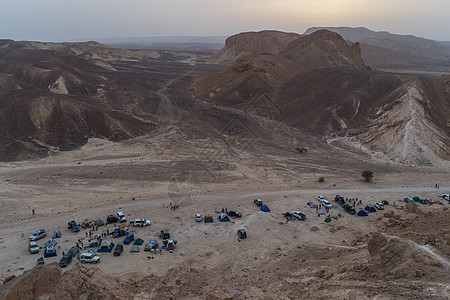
<point>73,225</point>
<point>446,197</point>
<point>370,208</point>
<point>121,217</point>
<point>326,203</point>
<point>128,239</point>
<point>67,259</point>
<point>89,257</point>
<point>385,202</point>
<point>242,233</point>
<point>33,247</point>
<point>120,232</point>
<point>379,205</point>
<point>198,218</point>
<point>208,219</point>
<point>40,261</point>
<point>320,198</point>
<point>408,199</point>
<point>234,213</point>
<point>298,215</point>
<point>111,219</point>
<point>258,202</point>
<point>38,235</point>
<point>349,208</point>
<point>118,250</point>
<point>140,222</point>
<point>164,234</point>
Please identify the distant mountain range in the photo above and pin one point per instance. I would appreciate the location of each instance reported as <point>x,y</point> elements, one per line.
<point>183,43</point>
<point>384,50</point>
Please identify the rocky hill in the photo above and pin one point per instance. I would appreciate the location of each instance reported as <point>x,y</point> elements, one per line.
<point>320,82</point>
<point>243,44</point>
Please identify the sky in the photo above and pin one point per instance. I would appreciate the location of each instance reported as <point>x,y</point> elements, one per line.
<point>68,20</point>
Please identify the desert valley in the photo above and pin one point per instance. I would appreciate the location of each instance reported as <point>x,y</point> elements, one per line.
<point>89,130</point>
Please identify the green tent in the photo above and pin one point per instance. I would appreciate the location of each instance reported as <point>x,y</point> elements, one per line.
<point>138,241</point>
<point>416,199</point>
<point>328,219</point>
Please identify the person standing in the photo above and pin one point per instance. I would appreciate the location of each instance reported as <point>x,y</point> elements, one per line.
<point>33,212</point>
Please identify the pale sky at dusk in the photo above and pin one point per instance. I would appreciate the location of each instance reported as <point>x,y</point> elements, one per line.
<point>65,20</point>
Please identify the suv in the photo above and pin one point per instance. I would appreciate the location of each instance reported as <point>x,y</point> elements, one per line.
<point>379,205</point>
<point>320,198</point>
<point>89,257</point>
<point>121,217</point>
<point>233,213</point>
<point>67,259</point>
<point>164,234</point>
<point>325,203</point>
<point>128,239</point>
<point>33,247</point>
<point>446,197</point>
<point>198,218</point>
<point>140,222</point>
<point>258,202</point>
<point>38,235</point>
<point>111,219</point>
<point>73,225</point>
<point>298,215</point>
<point>118,250</point>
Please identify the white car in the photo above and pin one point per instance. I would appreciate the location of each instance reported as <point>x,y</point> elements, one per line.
<point>198,218</point>
<point>121,217</point>
<point>446,197</point>
<point>298,215</point>
<point>89,257</point>
<point>320,198</point>
<point>38,235</point>
<point>379,205</point>
<point>140,222</point>
<point>326,203</point>
<point>33,247</point>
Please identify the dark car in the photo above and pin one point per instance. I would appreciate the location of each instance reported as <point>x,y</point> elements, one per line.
<point>129,238</point>
<point>120,232</point>
<point>164,234</point>
<point>111,219</point>
<point>233,213</point>
<point>118,250</point>
<point>65,260</point>
<point>242,233</point>
<point>74,226</point>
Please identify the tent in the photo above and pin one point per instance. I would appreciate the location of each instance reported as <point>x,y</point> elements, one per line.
<point>138,241</point>
<point>320,212</point>
<point>86,223</point>
<point>362,213</point>
<point>134,248</point>
<point>416,199</point>
<point>56,234</point>
<point>328,219</point>
<point>50,243</point>
<point>310,204</point>
<point>265,208</point>
<point>99,222</point>
<point>50,251</point>
<point>106,246</point>
<point>224,218</point>
<point>153,244</point>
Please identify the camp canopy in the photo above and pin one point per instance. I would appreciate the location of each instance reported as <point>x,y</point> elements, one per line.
<point>224,218</point>
<point>320,212</point>
<point>123,226</point>
<point>362,213</point>
<point>134,248</point>
<point>138,241</point>
<point>265,208</point>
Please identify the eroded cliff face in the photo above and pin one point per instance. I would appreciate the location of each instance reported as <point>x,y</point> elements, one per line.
<point>243,44</point>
